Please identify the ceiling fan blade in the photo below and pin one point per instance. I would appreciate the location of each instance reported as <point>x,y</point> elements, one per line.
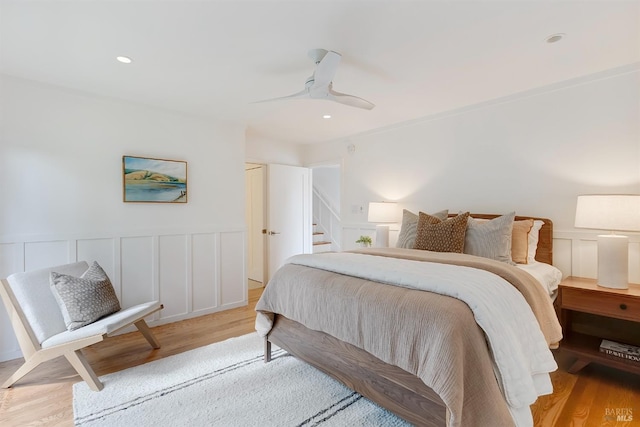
<point>326,69</point>
<point>302,94</point>
<point>320,84</point>
<point>350,100</point>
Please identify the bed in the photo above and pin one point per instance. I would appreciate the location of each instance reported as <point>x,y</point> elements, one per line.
<point>384,362</point>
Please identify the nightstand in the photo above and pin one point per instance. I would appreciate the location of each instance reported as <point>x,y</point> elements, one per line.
<point>588,313</point>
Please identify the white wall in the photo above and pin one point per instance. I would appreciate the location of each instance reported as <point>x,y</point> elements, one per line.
<point>326,179</point>
<point>264,150</point>
<point>61,172</point>
<point>532,153</point>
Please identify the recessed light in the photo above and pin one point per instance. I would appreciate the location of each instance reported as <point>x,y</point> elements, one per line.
<point>326,116</point>
<point>124,59</point>
<point>554,38</point>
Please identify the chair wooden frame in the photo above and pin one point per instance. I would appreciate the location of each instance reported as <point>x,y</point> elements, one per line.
<point>34,354</point>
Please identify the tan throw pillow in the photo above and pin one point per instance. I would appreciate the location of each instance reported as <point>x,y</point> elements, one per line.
<point>409,227</point>
<point>520,241</point>
<point>441,236</point>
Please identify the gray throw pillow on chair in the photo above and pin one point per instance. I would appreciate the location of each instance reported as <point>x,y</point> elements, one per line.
<point>85,299</point>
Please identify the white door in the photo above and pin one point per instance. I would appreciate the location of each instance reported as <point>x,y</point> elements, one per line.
<point>288,214</point>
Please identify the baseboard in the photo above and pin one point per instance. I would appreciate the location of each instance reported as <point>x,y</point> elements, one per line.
<point>10,355</point>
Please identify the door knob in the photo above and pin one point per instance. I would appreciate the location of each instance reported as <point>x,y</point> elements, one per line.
<point>271,233</point>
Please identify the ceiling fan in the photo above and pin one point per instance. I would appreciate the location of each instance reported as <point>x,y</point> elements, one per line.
<point>320,84</point>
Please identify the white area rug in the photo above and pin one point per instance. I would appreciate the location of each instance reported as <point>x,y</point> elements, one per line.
<point>225,384</point>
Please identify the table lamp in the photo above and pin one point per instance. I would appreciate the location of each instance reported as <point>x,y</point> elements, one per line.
<point>382,213</point>
<point>614,212</point>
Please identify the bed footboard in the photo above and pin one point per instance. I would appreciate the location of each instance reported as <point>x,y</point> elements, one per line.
<point>394,389</point>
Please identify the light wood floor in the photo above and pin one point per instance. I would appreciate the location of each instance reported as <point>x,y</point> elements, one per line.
<point>44,397</point>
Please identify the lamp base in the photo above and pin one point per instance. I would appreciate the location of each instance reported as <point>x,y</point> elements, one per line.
<point>382,236</point>
<point>613,261</point>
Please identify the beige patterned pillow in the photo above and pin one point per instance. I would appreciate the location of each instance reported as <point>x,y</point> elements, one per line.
<point>409,228</point>
<point>85,299</point>
<point>520,241</point>
<point>441,236</point>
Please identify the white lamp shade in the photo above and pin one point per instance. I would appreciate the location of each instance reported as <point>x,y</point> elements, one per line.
<point>619,212</point>
<point>382,212</point>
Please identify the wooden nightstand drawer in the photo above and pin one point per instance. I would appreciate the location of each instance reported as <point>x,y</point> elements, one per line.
<point>602,303</point>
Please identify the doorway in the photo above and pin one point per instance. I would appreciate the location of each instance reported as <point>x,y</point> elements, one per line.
<point>326,202</point>
<point>277,216</point>
<point>254,218</point>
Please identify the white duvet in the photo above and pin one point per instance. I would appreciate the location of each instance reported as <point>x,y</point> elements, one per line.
<point>522,360</point>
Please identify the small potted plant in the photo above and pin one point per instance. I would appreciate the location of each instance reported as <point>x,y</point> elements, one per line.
<point>365,241</point>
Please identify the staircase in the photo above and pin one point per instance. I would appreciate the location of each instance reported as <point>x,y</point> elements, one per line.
<point>320,243</point>
<point>326,225</point>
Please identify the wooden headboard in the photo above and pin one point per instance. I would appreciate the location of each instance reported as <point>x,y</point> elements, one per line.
<point>545,237</point>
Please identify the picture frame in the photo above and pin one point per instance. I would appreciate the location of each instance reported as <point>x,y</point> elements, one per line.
<point>151,180</point>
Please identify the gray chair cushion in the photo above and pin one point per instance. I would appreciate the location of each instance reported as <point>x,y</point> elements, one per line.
<point>106,325</point>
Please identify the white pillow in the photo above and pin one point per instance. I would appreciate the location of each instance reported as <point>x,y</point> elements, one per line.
<point>533,240</point>
<point>547,275</point>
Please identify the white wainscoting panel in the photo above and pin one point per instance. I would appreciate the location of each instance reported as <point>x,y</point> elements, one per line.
<point>205,280</point>
<point>562,255</point>
<point>352,232</point>
<point>192,273</point>
<point>172,278</point>
<point>41,254</point>
<point>104,252</point>
<point>138,270</point>
<point>634,262</point>
<point>586,252</point>
<point>11,258</point>
<point>233,289</point>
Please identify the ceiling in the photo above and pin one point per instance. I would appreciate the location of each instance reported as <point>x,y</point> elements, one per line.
<point>411,58</point>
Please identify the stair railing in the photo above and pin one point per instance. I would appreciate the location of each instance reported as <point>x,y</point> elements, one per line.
<point>326,219</point>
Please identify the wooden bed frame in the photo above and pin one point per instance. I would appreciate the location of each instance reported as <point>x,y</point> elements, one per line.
<point>391,387</point>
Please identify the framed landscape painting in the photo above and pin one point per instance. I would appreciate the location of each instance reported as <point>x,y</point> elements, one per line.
<point>146,180</point>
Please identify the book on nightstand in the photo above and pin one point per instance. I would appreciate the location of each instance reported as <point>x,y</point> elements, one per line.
<point>623,351</point>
